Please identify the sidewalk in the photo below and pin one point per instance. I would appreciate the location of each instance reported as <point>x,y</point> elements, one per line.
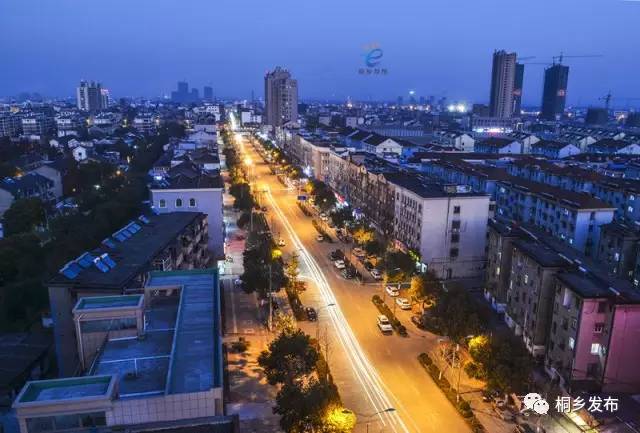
<point>249,395</point>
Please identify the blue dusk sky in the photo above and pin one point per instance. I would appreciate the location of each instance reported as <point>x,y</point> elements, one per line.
<point>444,47</point>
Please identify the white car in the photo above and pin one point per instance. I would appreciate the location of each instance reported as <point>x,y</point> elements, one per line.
<point>376,274</point>
<point>392,291</point>
<point>319,238</point>
<point>358,252</point>
<point>384,325</point>
<point>339,264</point>
<point>403,303</point>
<point>281,242</point>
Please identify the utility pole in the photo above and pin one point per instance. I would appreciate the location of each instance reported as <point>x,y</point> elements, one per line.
<point>269,320</point>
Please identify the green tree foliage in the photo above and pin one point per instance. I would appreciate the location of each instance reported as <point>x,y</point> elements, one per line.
<point>502,361</point>
<point>290,357</point>
<point>23,216</point>
<point>457,314</point>
<point>363,234</point>
<point>399,266</point>
<point>342,216</point>
<point>302,406</point>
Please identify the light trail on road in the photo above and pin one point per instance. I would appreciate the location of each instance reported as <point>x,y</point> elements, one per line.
<point>365,372</point>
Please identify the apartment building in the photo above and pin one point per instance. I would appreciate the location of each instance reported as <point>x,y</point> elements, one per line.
<point>530,291</point>
<point>10,125</point>
<point>445,224</point>
<point>152,362</point>
<point>594,331</point>
<point>37,124</point>
<point>121,265</point>
<point>361,180</point>
<point>500,238</point>
<point>146,123</point>
<point>575,218</point>
<point>568,309</point>
<point>618,249</point>
<point>188,188</point>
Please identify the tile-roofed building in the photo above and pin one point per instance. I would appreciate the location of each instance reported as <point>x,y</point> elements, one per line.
<point>498,145</point>
<point>31,185</point>
<point>554,149</point>
<point>611,146</point>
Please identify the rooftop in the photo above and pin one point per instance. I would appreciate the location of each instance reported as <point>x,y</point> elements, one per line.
<point>427,189</point>
<point>62,390</point>
<point>180,351</point>
<point>131,255</point>
<point>102,302</point>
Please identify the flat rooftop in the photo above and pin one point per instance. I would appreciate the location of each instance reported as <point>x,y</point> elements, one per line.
<point>181,348</point>
<point>102,302</point>
<point>132,255</point>
<point>66,389</point>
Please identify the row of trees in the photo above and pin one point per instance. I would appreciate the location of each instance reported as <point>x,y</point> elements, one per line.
<point>307,400</point>
<point>106,201</point>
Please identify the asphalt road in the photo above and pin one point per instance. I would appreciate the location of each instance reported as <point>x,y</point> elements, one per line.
<point>373,371</point>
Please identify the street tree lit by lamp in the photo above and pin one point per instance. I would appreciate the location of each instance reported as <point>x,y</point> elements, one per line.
<point>340,419</point>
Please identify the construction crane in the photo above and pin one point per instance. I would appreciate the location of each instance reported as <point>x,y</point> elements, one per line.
<point>562,56</point>
<point>520,59</point>
<point>609,97</point>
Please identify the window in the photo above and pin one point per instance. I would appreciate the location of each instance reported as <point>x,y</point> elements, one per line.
<point>453,253</point>
<point>572,342</point>
<point>178,202</point>
<point>162,203</point>
<point>595,348</point>
<point>455,237</point>
<point>602,307</point>
<point>598,328</point>
<point>455,225</point>
<point>456,209</point>
<point>192,202</point>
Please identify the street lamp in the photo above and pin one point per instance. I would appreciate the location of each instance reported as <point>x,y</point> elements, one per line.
<point>371,415</point>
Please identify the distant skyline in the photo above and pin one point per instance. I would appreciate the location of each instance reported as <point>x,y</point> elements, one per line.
<point>439,48</point>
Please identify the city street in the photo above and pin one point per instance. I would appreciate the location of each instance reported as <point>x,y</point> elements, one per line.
<point>373,372</point>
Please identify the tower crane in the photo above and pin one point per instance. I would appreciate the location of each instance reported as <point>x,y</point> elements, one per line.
<point>563,56</point>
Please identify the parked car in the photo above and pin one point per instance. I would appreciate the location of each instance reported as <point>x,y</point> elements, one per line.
<point>375,274</point>
<point>348,273</point>
<point>417,320</point>
<point>319,238</point>
<point>392,291</point>
<point>281,242</point>
<point>312,316</point>
<point>339,264</point>
<point>384,325</point>
<point>336,255</point>
<point>359,252</point>
<point>403,303</point>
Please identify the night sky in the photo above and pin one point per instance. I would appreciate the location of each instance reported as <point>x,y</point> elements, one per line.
<point>142,47</point>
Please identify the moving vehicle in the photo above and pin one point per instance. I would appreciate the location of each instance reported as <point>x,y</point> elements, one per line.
<point>403,303</point>
<point>392,291</point>
<point>376,274</point>
<point>312,316</point>
<point>339,264</point>
<point>384,325</point>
